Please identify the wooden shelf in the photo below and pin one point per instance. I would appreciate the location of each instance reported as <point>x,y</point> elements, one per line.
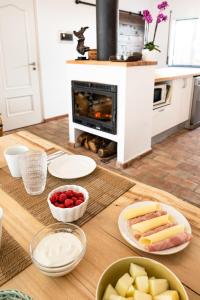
<point>111,63</point>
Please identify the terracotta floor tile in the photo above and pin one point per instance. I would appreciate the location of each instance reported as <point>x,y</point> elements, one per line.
<point>187,195</point>
<point>166,161</point>
<point>197,190</point>
<point>194,170</point>
<point>185,183</point>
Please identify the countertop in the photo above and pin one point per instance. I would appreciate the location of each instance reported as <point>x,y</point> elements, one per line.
<point>171,73</point>
<point>112,63</point>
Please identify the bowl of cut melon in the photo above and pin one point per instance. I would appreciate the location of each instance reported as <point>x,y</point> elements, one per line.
<point>139,278</point>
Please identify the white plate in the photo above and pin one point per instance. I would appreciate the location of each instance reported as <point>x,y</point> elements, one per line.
<point>125,231</point>
<point>71,166</point>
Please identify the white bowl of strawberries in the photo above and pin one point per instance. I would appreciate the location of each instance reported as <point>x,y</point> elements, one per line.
<point>68,203</point>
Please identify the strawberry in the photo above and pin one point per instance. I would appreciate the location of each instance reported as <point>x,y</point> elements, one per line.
<point>78,202</point>
<point>56,204</point>
<point>62,197</point>
<point>68,203</point>
<point>74,198</point>
<point>61,205</point>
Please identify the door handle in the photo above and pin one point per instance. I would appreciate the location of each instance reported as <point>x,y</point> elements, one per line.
<point>32,64</point>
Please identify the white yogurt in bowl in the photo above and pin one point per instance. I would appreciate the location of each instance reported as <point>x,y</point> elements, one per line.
<point>57,249</point>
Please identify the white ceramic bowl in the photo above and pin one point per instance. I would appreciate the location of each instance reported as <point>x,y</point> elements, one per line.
<point>55,228</point>
<point>69,214</point>
<point>153,268</point>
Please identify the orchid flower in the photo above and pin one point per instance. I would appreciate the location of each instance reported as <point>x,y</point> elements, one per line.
<point>161,17</point>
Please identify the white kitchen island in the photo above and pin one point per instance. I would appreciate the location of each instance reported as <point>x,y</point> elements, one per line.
<point>135,85</point>
<point>139,124</point>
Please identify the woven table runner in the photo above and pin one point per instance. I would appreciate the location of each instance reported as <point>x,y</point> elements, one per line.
<point>13,258</point>
<point>103,187</point>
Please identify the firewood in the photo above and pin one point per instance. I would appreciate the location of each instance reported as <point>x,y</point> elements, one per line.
<point>81,138</point>
<point>94,144</point>
<point>102,105</point>
<point>109,150</point>
<point>88,138</point>
<point>81,104</point>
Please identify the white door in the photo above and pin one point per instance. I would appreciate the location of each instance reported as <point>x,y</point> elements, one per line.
<point>19,79</point>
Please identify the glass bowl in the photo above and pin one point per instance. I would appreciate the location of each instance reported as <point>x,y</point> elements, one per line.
<point>60,270</point>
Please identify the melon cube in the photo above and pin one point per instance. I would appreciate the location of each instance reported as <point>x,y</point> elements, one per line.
<point>136,270</point>
<point>123,284</point>
<point>168,295</point>
<point>138,295</point>
<point>114,297</point>
<point>130,291</point>
<point>158,286</point>
<point>108,292</point>
<point>142,283</point>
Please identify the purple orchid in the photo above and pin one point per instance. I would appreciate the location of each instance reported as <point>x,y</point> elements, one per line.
<point>163,5</point>
<point>161,17</point>
<point>147,16</point>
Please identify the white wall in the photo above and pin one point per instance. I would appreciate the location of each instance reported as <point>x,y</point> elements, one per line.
<point>65,15</point>
<point>180,9</point>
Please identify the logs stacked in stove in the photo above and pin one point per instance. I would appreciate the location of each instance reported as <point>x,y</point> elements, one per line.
<point>103,147</point>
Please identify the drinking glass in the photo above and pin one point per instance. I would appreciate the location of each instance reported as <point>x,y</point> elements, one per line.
<point>33,166</point>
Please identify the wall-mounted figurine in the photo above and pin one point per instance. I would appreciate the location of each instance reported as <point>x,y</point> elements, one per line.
<point>81,48</point>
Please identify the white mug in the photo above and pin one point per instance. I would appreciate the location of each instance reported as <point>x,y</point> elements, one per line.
<point>12,156</point>
<point>1,219</point>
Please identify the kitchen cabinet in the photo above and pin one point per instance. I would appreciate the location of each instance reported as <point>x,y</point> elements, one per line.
<point>178,111</point>
<point>182,94</point>
<point>163,119</point>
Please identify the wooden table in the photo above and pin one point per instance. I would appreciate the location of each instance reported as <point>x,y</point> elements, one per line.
<point>104,242</point>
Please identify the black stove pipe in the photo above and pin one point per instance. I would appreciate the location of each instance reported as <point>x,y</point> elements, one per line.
<point>107,25</point>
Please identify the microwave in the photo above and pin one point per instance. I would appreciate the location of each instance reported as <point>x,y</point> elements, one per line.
<point>160,95</point>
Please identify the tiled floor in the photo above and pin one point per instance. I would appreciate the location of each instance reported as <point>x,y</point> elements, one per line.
<point>174,164</point>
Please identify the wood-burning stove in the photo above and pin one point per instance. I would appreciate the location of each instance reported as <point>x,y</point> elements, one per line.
<point>95,105</point>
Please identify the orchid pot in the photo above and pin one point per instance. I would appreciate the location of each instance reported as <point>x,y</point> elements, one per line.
<point>148,55</point>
